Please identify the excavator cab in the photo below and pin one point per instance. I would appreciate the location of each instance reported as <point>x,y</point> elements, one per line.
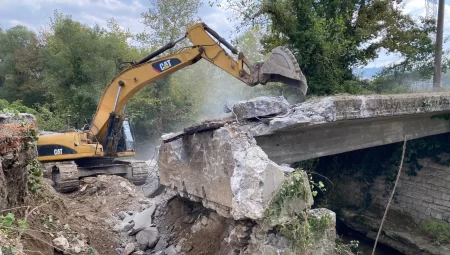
<point>127,143</point>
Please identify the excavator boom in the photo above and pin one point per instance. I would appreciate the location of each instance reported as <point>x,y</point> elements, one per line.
<point>281,66</point>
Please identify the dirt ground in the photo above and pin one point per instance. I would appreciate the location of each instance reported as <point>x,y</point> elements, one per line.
<point>86,219</point>
<point>82,217</point>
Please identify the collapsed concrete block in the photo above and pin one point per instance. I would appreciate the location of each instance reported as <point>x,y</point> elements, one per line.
<point>152,182</point>
<point>260,107</point>
<point>224,169</point>
<point>143,219</point>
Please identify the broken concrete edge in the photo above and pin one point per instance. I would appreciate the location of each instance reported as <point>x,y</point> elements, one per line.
<point>224,167</point>
<point>268,115</point>
<point>340,108</point>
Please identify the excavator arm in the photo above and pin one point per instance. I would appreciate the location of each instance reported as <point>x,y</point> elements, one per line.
<point>280,67</point>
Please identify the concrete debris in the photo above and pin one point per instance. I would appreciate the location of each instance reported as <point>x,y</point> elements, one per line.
<point>170,250</point>
<point>129,248</point>
<point>161,245</point>
<point>143,219</point>
<point>323,243</point>
<point>152,184</point>
<point>122,215</point>
<point>147,238</point>
<point>61,243</point>
<point>240,236</point>
<point>260,107</point>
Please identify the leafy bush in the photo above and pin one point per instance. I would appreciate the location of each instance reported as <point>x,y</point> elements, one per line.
<point>439,230</point>
<point>15,107</point>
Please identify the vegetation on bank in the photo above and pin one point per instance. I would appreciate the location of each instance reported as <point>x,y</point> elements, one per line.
<point>437,230</point>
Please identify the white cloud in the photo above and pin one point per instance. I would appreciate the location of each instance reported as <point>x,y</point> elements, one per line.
<point>14,22</point>
<point>102,4</point>
<point>218,19</point>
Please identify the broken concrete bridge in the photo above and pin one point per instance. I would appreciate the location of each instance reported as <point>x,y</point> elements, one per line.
<point>236,165</point>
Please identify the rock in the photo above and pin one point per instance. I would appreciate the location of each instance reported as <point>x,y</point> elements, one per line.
<point>178,248</point>
<point>245,178</point>
<point>147,238</point>
<point>183,245</point>
<point>119,251</point>
<point>117,228</point>
<point>122,215</point>
<point>286,168</point>
<point>151,185</point>
<point>76,250</point>
<point>293,206</point>
<point>129,248</point>
<point>170,250</point>
<point>161,245</point>
<point>240,236</point>
<point>123,184</point>
<point>204,221</point>
<point>325,243</point>
<point>143,219</point>
<point>138,253</point>
<point>189,219</point>
<point>61,243</point>
<point>89,180</point>
<point>260,107</point>
<point>128,218</point>
<point>128,226</point>
<point>144,201</point>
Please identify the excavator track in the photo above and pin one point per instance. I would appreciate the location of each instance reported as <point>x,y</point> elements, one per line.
<point>140,170</point>
<point>64,175</point>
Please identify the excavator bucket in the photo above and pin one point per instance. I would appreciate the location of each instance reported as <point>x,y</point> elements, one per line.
<point>283,67</point>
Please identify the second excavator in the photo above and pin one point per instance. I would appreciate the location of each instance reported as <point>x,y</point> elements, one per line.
<point>70,156</point>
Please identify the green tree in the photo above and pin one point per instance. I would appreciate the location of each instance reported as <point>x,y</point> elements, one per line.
<point>79,62</point>
<point>166,21</point>
<point>164,105</point>
<point>20,66</point>
<point>330,37</point>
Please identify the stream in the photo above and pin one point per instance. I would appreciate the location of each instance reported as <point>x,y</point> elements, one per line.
<point>365,244</point>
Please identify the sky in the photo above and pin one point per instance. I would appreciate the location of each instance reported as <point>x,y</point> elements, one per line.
<point>35,14</point>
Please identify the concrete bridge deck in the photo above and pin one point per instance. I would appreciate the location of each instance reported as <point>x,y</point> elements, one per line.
<point>235,169</point>
<point>334,125</point>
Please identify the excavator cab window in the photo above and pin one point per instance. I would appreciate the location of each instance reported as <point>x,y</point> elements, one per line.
<point>127,137</point>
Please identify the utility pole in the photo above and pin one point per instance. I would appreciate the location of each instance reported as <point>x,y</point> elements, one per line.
<point>438,51</point>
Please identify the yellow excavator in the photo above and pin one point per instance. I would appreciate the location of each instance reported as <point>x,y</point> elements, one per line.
<point>72,155</point>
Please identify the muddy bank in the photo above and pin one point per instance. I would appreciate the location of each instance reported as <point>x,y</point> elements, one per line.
<point>17,150</point>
